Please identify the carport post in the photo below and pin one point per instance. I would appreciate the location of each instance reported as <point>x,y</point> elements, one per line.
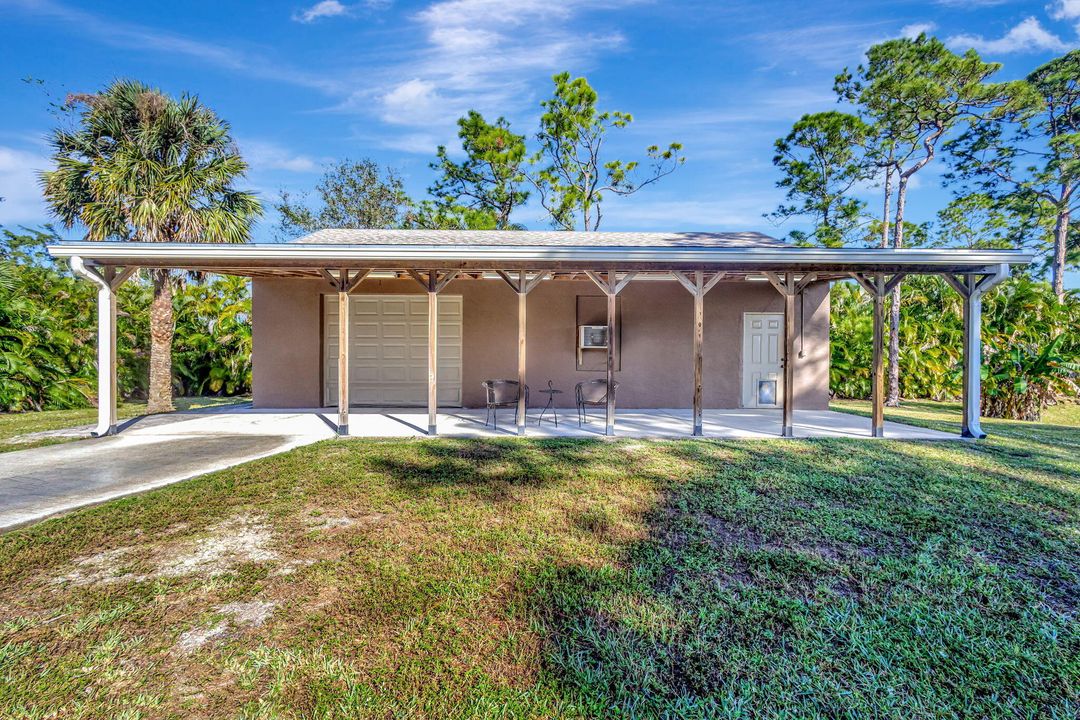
<point>698,287</point>
<point>877,372</point>
<point>878,286</point>
<point>343,360</point>
<point>433,282</point>
<point>522,286</point>
<point>972,288</point>
<point>612,286</point>
<point>344,284</point>
<point>108,280</point>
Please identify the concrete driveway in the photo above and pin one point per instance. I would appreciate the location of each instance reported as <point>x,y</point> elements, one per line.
<point>149,452</point>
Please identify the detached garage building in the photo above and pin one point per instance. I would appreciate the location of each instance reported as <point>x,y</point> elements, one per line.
<point>705,320</point>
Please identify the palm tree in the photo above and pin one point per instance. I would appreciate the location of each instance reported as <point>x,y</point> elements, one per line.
<point>145,167</point>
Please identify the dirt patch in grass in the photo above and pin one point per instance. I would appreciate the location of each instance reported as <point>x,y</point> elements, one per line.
<point>221,549</point>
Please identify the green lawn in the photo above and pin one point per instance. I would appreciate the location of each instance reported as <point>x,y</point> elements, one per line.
<point>567,578</point>
<point>18,431</point>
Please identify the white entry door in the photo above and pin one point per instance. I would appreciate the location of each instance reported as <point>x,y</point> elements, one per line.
<point>388,350</point>
<point>762,375</point>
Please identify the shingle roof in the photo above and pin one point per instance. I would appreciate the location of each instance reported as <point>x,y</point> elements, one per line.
<point>540,238</point>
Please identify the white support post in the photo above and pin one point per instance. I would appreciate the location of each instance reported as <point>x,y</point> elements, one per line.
<point>971,426</point>
<point>107,283</point>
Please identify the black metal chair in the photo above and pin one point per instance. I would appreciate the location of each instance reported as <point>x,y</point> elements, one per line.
<point>594,393</point>
<point>501,393</point>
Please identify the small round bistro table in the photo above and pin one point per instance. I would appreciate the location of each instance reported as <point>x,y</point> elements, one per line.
<point>551,392</point>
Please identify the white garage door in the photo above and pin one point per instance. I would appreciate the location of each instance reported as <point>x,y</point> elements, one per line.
<point>388,350</point>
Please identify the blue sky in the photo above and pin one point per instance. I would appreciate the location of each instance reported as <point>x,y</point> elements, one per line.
<point>304,83</point>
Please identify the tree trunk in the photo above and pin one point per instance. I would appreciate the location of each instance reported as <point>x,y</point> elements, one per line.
<point>1061,239</point>
<point>159,398</point>
<point>885,209</point>
<point>892,397</point>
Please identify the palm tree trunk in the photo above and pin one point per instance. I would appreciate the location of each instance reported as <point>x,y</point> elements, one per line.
<point>161,334</point>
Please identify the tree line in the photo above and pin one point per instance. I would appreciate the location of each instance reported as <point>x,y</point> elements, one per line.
<point>567,168</point>
<point>1012,156</point>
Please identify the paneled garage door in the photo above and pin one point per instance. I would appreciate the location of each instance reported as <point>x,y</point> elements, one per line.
<point>388,350</point>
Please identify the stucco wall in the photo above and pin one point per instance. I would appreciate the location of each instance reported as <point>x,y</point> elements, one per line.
<point>657,339</point>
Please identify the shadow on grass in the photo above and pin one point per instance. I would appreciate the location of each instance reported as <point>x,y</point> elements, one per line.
<point>829,579</point>
<point>492,469</point>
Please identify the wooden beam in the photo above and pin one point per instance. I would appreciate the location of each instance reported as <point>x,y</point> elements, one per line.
<point>331,278</point>
<point>343,362</point>
<point>957,284</point>
<point>536,280</point>
<point>426,282</point>
<point>877,369</point>
<point>600,282</point>
<point>892,282</point>
<point>508,280</point>
<point>776,282</point>
<point>867,285</point>
<point>441,281</point>
<point>619,285</point>
<point>806,280</point>
<point>116,277</point>
<point>685,281</point>
<point>711,283</point>
<point>354,282</point>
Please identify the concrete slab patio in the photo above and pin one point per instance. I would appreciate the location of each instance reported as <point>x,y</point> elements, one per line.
<point>661,424</point>
<point>155,451</point>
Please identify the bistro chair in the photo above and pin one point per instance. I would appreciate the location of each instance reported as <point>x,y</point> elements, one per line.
<point>594,393</point>
<point>499,394</point>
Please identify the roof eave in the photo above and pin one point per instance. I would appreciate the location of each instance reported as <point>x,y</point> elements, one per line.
<point>186,254</point>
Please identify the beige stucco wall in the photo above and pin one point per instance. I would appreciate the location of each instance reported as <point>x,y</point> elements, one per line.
<point>657,327</point>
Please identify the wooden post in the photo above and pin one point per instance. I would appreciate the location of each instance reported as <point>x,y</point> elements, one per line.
<point>698,287</point>
<point>609,416</point>
<point>699,336</point>
<point>343,358</point>
<point>433,282</point>
<point>612,286</point>
<point>522,286</point>
<point>433,355</point>
<point>877,371</point>
<point>788,422</point>
<point>522,295</point>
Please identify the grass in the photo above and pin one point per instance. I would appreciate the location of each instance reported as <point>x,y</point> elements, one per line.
<point>567,578</point>
<point>18,431</point>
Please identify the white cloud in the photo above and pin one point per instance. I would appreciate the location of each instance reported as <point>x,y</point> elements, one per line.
<point>324,9</point>
<point>483,54</point>
<point>262,155</point>
<point>826,45</point>
<point>1028,36</point>
<point>413,102</point>
<point>1064,10</point>
<point>914,30</point>
<point>19,186</point>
